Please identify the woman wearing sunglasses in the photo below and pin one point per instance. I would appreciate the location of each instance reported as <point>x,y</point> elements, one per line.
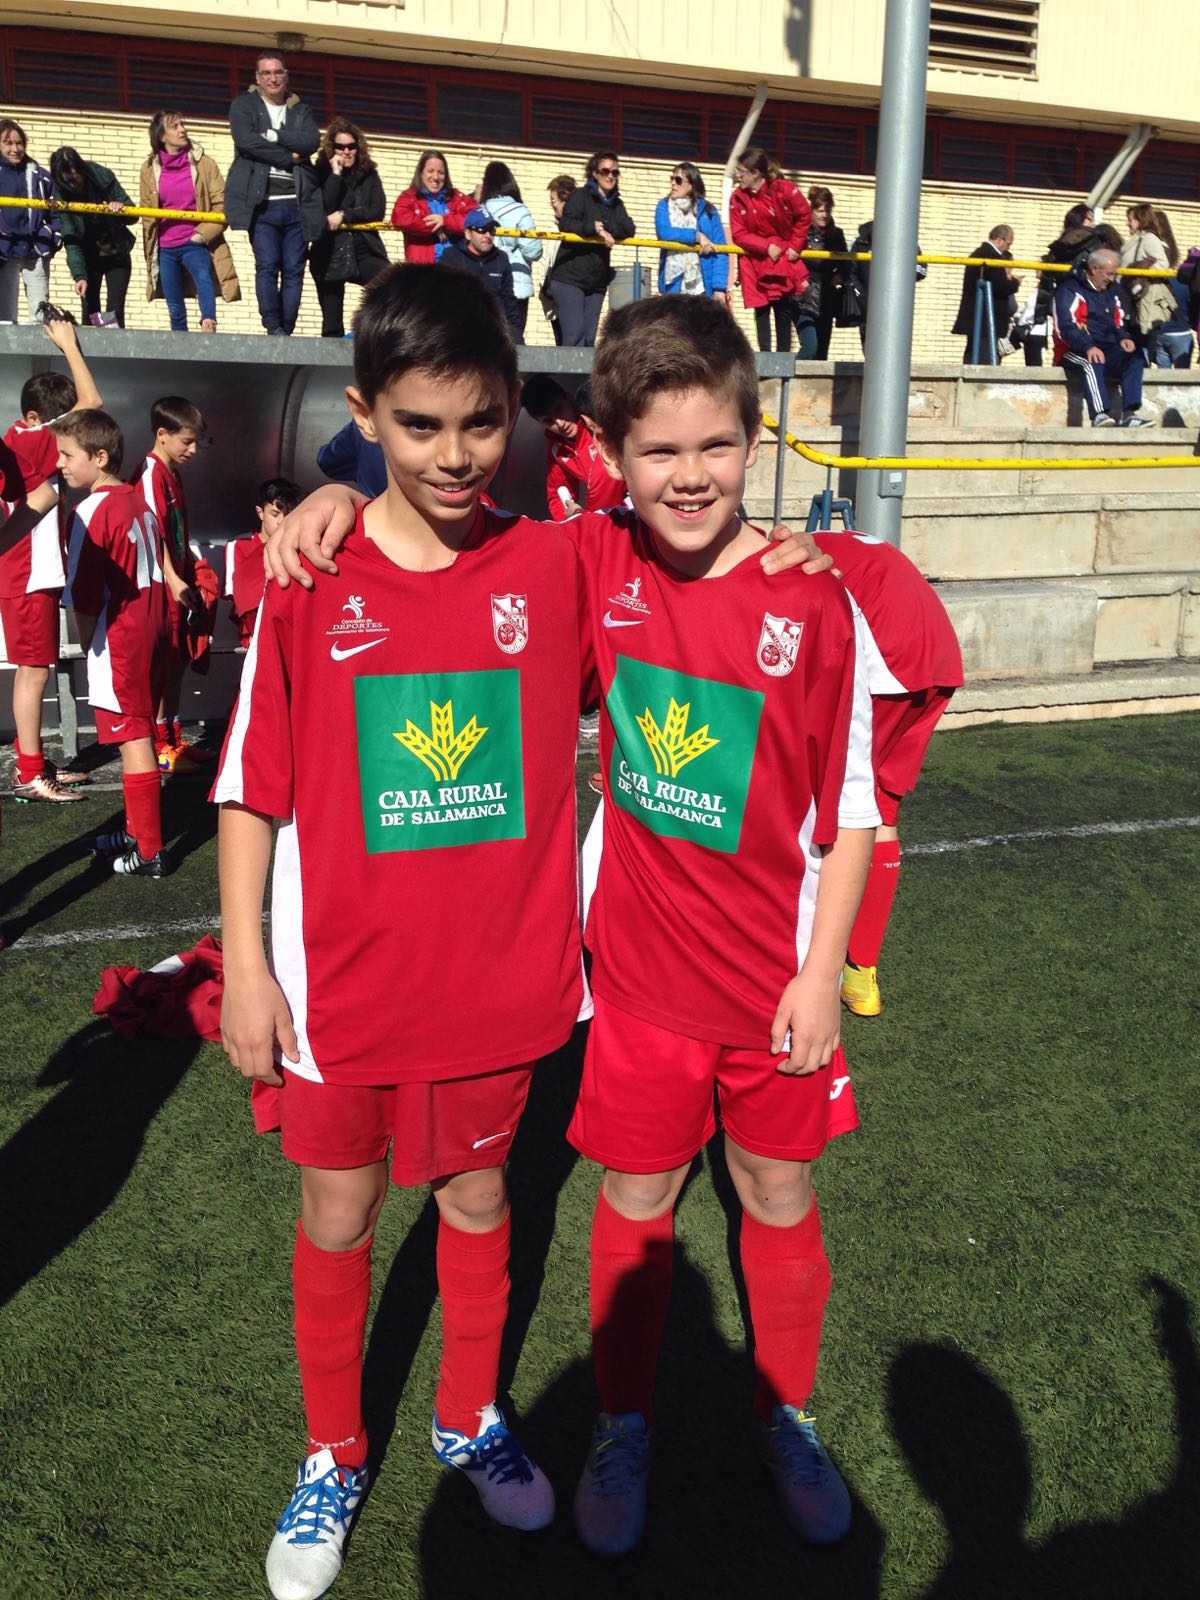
<point>686,217</point>
<point>351,191</point>
<point>583,272</point>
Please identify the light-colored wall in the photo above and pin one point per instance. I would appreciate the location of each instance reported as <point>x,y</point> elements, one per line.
<point>1100,62</point>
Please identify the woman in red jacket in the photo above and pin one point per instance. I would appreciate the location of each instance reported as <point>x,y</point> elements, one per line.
<point>769,218</point>
<point>430,211</point>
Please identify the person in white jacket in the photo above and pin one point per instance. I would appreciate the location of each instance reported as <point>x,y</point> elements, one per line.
<point>500,195</point>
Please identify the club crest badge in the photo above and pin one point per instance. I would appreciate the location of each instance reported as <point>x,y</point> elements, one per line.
<point>510,622</point>
<point>778,645</point>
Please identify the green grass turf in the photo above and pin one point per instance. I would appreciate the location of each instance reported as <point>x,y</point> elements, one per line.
<point>1009,1380</point>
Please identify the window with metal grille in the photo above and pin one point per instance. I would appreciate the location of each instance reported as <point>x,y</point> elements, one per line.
<point>471,111</point>
<point>824,145</point>
<point>202,89</point>
<point>672,131</point>
<point>1040,165</point>
<point>392,104</point>
<point>557,122</point>
<point>984,36</point>
<point>1165,176</point>
<point>962,159</point>
<point>84,80</point>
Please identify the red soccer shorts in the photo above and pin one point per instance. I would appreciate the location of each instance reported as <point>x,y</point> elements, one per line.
<point>434,1129</point>
<point>121,727</point>
<point>31,628</point>
<point>902,726</point>
<point>646,1100</point>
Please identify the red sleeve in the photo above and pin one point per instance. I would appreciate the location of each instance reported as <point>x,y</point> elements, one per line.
<point>249,575</point>
<point>452,222</point>
<point>580,530</point>
<point>830,706</point>
<point>801,215</point>
<point>754,244</point>
<point>256,763</point>
<point>408,214</point>
<point>557,478</point>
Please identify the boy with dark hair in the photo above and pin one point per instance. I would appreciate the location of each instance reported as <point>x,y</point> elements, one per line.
<point>426,684</point>
<point>178,427</point>
<point>576,476</point>
<point>115,588</point>
<point>476,252</point>
<point>32,571</point>
<point>245,575</point>
<point>739,807</point>
<point>913,665</point>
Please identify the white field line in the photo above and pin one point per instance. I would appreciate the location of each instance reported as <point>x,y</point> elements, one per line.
<point>937,847</point>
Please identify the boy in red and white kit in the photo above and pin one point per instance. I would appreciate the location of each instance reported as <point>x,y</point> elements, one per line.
<point>738,820</point>
<point>32,571</point>
<point>178,427</point>
<point>115,588</point>
<point>245,576</point>
<point>914,665</point>
<point>577,477</point>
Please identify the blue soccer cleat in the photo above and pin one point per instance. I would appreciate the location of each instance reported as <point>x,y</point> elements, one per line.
<point>812,1492</point>
<point>610,1502</point>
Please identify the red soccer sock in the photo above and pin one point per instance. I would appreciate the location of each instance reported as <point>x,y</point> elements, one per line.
<point>630,1291</point>
<point>866,939</point>
<point>162,732</point>
<point>332,1289</point>
<point>787,1283</point>
<point>143,810</point>
<point>472,1272</point>
<point>29,766</point>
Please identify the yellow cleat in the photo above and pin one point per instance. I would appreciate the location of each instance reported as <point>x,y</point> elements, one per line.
<point>860,990</point>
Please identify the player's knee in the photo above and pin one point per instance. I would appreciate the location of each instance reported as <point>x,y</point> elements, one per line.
<point>778,1193</point>
<point>473,1200</point>
<point>341,1216</point>
<point>641,1195</point>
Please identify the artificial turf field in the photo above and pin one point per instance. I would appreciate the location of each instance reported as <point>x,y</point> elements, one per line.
<point>1010,1379</point>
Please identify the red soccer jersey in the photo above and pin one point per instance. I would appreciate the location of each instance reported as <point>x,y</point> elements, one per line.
<point>35,562</point>
<point>733,744</point>
<point>577,472</point>
<point>115,575</point>
<point>245,575</point>
<point>912,644</point>
<point>416,732</point>
<point>162,490</point>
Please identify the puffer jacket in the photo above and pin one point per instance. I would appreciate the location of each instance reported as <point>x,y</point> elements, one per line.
<point>510,213</point>
<point>38,227</point>
<point>409,212</point>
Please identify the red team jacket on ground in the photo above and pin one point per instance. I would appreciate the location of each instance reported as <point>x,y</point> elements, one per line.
<point>415,733</point>
<point>577,472</point>
<point>115,575</point>
<point>36,562</point>
<point>734,742</point>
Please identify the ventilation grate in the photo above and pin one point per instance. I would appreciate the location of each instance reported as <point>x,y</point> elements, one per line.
<point>998,36</point>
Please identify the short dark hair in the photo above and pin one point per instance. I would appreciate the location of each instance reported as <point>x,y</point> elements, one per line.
<point>563,186</point>
<point>279,492</point>
<point>50,394</point>
<point>1077,216</point>
<point>671,344</point>
<point>601,155</point>
<point>416,317</point>
<point>539,393</point>
<point>819,195</point>
<point>93,431</point>
<point>173,414</point>
<point>267,54</point>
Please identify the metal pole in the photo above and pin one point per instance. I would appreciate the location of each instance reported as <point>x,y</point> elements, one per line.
<point>884,420</point>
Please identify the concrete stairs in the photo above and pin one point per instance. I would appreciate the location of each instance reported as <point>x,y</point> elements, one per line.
<point>1074,592</point>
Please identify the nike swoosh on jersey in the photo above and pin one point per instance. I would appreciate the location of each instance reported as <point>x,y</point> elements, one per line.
<point>619,622</point>
<point>336,653</point>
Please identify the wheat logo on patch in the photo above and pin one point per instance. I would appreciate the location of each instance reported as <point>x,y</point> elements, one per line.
<point>672,746</point>
<point>442,749</point>
<point>778,645</point>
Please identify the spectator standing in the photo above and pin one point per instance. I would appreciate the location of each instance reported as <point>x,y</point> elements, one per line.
<point>769,218</point>
<point>270,191</point>
<point>1173,343</point>
<point>1004,285</point>
<point>861,273</point>
<point>351,191</point>
<point>178,176</point>
<point>1080,234</point>
<point>560,190</point>
<point>1093,324</point>
<point>500,194</point>
<point>1154,304</point>
<point>685,216</point>
<point>583,271</point>
<point>817,302</point>
<point>430,211</point>
<point>478,252</point>
<point>99,249</point>
<point>28,238</point>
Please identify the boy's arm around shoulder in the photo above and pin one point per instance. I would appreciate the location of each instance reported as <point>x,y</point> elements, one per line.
<point>255,1016</point>
<point>26,514</point>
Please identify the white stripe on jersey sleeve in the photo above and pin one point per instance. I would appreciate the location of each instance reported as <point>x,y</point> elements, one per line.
<point>289,960</point>
<point>102,691</point>
<point>231,781</point>
<point>806,903</point>
<point>880,680</point>
<point>856,805</point>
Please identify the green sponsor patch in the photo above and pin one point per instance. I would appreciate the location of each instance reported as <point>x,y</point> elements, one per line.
<point>683,752</point>
<point>439,758</point>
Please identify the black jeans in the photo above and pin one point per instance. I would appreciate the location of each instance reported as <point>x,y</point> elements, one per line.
<point>782,313</point>
<point>578,312</point>
<point>114,273</point>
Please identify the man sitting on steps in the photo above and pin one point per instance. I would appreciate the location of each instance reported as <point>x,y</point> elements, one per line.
<point>1092,334</point>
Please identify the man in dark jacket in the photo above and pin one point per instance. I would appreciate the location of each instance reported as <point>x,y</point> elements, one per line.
<point>1091,324</point>
<point>270,189</point>
<point>476,252</point>
<point>997,246</point>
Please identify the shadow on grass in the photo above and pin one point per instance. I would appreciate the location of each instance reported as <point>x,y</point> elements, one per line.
<point>540,1163</point>
<point>964,1444</point>
<point>68,1163</point>
<point>22,884</point>
<point>714,1530</point>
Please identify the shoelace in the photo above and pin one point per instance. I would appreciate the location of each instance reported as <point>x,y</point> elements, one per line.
<point>616,1461</point>
<point>498,1452</point>
<point>314,1512</point>
<point>800,1450</point>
